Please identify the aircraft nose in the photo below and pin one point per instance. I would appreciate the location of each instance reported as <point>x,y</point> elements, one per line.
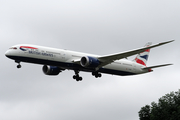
<point>7,53</point>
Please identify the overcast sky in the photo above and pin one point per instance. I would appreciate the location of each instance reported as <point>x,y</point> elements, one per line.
<point>92,26</point>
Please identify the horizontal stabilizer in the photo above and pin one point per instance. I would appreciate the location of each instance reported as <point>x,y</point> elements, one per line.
<point>147,68</point>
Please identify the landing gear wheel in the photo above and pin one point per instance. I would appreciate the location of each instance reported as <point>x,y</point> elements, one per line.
<point>18,66</point>
<point>80,78</point>
<point>17,61</point>
<point>77,77</point>
<point>96,74</point>
<point>74,76</point>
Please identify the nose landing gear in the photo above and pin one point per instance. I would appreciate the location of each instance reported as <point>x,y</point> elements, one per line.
<point>19,65</point>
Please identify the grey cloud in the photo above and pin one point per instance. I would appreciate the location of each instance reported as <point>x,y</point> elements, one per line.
<point>98,27</point>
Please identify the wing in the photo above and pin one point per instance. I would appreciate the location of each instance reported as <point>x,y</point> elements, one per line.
<point>107,59</point>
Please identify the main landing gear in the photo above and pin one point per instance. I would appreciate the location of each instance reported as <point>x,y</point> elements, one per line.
<point>96,74</point>
<point>19,65</point>
<point>76,76</point>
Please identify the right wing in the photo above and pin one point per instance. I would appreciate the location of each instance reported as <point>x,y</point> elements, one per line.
<point>107,59</point>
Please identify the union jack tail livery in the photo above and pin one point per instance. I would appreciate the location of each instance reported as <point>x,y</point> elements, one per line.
<point>142,58</point>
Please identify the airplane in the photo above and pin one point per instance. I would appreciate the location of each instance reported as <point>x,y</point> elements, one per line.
<point>55,61</point>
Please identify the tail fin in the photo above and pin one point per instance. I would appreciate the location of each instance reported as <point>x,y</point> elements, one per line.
<point>142,58</point>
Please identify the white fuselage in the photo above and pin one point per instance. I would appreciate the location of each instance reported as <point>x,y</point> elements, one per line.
<point>66,59</point>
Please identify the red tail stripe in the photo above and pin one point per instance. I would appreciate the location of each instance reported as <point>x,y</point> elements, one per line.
<point>140,62</point>
<point>148,50</point>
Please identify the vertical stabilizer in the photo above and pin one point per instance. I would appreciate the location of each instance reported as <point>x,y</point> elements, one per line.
<point>142,58</point>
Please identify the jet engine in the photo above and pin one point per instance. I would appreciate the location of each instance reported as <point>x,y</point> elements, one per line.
<point>89,62</point>
<point>51,70</point>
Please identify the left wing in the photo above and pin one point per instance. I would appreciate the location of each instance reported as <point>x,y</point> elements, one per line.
<point>111,58</point>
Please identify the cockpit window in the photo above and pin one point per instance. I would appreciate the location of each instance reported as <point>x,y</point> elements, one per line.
<point>13,48</point>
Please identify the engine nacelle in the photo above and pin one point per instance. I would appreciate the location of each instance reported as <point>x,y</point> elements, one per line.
<point>51,70</point>
<point>89,62</point>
